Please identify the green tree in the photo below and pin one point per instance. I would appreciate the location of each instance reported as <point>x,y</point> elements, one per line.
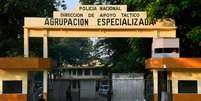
<point>122,54</point>
<point>186,13</point>
<point>71,51</point>
<point>12,13</point>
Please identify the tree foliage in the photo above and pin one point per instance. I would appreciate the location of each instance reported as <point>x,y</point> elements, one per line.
<point>133,52</point>
<point>12,13</point>
<point>71,51</point>
<point>187,14</point>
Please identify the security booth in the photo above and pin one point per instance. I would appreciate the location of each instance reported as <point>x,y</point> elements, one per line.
<point>14,78</point>
<point>175,78</point>
<point>184,75</point>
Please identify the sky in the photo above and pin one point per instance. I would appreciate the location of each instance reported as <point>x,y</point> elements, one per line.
<point>71,4</point>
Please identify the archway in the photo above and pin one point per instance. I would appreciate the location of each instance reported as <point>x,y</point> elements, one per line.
<point>108,21</point>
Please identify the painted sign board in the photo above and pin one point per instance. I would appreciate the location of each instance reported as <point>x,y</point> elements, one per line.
<point>94,16</point>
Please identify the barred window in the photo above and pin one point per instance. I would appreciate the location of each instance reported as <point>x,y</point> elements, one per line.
<point>167,50</point>
<point>187,86</point>
<point>12,87</point>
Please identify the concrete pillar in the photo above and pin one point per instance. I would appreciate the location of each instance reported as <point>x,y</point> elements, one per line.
<point>175,86</point>
<point>26,42</point>
<point>25,84</point>
<point>199,86</point>
<point>45,46</point>
<point>1,86</point>
<point>91,72</point>
<point>83,71</point>
<point>155,83</point>
<point>45,83</point>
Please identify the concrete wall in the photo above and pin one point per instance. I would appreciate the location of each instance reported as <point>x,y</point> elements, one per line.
<point>181,75</point>
<point>185,75</point>
<point>13,75</point>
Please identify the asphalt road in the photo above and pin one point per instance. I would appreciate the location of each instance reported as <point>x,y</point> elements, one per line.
<point>98,98</point>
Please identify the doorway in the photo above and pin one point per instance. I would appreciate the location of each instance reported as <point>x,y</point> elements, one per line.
<point>164,86</point>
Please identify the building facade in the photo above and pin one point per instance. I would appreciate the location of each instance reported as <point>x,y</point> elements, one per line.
<point>14,77</point>
<point>83,79</point>
<point>178,77</point>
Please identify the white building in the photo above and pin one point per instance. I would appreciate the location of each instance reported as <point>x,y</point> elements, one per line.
<point>83,79</point>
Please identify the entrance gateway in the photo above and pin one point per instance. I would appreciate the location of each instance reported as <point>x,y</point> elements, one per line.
<point>108,21</point>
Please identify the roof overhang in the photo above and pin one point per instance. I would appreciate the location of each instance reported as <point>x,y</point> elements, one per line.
<point>20,63</point>
<point>173,63</point>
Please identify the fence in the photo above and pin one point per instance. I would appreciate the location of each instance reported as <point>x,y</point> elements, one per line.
<point>122,90</point>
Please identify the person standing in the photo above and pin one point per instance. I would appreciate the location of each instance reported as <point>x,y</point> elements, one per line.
<point>68,94</point>
<point>164,95</point>
<point>41,98</point>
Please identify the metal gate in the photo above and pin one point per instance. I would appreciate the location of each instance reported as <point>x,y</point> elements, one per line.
<point>57,90</point>
<point>123,89</point>
<point>131,87</point>
<point>128,90</point>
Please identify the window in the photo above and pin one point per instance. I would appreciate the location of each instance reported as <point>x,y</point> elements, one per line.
<point>167,50</point>
<point>87,72</point>
<point>96,72</point>
<point>79,72</point>
<point>187,86</point>
<point>74,72</point>
<point>12,87</point>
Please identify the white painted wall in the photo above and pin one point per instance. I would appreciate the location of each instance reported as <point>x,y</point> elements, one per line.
<point>165,43</point>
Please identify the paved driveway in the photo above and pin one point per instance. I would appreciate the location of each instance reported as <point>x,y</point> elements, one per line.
<point>98,98</point>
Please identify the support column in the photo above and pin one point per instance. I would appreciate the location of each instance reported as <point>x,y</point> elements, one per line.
<point>1,86</point>
<point>83,72</point>
<point>199,86</point>
<point>155,78</point>
<point>175,86</point>
<point>26,42</point>
<point>91,72</point>
<point>45,46</point>
<point>45,79</point>
<point>155,84</point>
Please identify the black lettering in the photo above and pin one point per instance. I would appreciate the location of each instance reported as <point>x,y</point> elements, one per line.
<point>146,22</point>
<point>75,22</point>
<point>70,22</point>
<point>51,21</point>
<point>65,21</point>
<point>124,22</point>
<point>61,21</point>
<point>152,22</point>
<point>117,21</point>
<point>56,21</point>
<point>112,22</point>
<point>86,22</point>
<point>47,21</point>
<point>135,21</point>
<point>108,21</point>
<point>141,22</point>
<point>98,22</point>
